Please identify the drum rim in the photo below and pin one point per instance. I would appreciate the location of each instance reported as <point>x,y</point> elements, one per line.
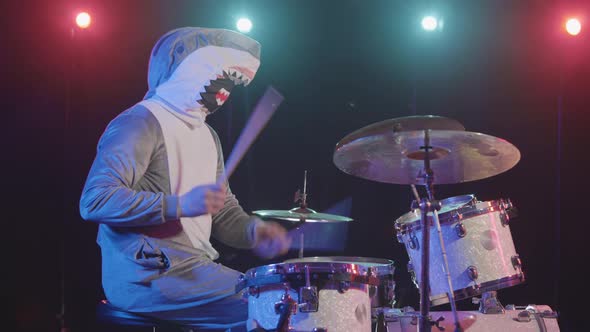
<point>471,291</point>
<point>290,267</point>
<point>415,213</point>
<point>464,212</point>
<point>343,259</point>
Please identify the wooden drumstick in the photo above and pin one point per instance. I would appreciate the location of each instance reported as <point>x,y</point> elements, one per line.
<point>263,111</point>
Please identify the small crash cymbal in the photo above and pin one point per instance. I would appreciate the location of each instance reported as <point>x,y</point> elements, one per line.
<point>300,215</point>
<point>398,157</point>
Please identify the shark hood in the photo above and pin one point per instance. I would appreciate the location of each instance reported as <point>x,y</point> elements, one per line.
<point>193,70</point>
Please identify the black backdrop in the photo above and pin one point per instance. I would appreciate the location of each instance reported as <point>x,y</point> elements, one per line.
<point>504,68</point>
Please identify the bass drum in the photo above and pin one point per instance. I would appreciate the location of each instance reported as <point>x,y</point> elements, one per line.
<point>480,251</point>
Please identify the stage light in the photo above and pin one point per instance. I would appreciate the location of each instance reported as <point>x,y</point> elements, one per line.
<point>244,25</point>
<point>83,20</point>
<point>429,23</point>
<point>573,26</point>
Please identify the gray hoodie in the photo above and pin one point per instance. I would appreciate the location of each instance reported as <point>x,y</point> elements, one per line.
<point>146,253</point>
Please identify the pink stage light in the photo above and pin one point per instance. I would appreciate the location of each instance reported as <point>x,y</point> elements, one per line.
<point>83,20</point>
<point>573,26</point>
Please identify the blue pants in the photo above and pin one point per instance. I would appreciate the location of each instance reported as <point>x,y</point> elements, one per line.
<point>205,298</point>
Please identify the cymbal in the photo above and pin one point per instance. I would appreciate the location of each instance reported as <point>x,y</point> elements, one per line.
<point>455,156</point>
<point>300,214</point>
<point>408,123</point>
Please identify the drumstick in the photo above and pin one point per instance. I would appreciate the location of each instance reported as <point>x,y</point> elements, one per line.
<point>263,111</point>
<point>415,194</point>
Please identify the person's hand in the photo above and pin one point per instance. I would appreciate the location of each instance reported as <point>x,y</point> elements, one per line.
<point>271,240</point>
<point>206,199</point>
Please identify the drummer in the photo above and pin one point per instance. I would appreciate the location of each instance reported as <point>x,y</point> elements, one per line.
<point>157,192</point>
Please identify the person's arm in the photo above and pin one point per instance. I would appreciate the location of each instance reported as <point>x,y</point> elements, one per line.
<point>123,156</point>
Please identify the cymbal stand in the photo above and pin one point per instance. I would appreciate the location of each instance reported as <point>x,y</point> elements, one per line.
<point>302,209</point>
<point>430,204</point>
<point>451,293</point>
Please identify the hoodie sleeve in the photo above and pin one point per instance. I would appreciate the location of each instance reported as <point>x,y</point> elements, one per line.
<point>123,155</point>
<point>232,226</point>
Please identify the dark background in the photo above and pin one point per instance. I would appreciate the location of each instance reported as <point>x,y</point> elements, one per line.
<point>503,68</point>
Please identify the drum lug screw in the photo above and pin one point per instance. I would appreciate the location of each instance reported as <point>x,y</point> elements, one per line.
<point>472,272</point>
<point>456,216</point>
<point>254,291</point>
<point>343,286</point>
<point>461,229</point>
<point>413,244</point>
<point>400,238</point>
<point>516,262</point>
<point>507,211</point>
<point>504,218</point>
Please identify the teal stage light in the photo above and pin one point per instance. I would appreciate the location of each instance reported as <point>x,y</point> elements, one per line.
<point>430,23</point>
<point>244,25</point>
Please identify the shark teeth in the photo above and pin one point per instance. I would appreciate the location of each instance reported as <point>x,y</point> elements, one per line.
<point>237,77</point>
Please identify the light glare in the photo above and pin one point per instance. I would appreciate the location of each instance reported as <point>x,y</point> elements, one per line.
<point>429,23</point>
<point>244,25</point>
<point>83,20</point>
<point>573,26</point>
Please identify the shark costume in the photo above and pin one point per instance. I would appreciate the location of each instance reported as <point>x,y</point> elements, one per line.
<point>153,261</point>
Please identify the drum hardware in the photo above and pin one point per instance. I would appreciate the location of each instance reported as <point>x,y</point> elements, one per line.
<point>294,218</point>
<point>489,303</point>
<point>428,205</point>
<point>461,230</point>
<point>343,286</point>
<point>472,272</point>
<point>536,318</point>
<point>285,308</point>
<point>516,263</point>
<point>308,295</point>
<point>413,244</point>
<point>437,323</point>
<point>302,208</point>
<point>254,291</point>
<point>525,317</point>
<point>381,324</point>
<point>543,310</point>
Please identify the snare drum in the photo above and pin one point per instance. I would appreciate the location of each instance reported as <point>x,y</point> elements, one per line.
<point>331,293</point>
<point>477,238</point>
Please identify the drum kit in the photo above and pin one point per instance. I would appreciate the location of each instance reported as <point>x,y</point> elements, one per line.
<point>471,253</point>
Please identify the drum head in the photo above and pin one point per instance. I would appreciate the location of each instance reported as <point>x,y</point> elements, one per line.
<point>368,261</point>
<point>351,265</point>
<point>379,265</point>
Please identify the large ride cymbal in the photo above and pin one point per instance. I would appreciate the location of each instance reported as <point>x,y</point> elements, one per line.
<point>300,215</point>
<point>408,123</point>
<point>398,157</point>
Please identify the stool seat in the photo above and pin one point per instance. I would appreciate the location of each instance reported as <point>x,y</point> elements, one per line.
<point>107,313</point>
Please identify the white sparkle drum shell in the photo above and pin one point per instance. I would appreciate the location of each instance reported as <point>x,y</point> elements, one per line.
<point>344,301</point>
<point>478,242</point>
<point>382,295</point>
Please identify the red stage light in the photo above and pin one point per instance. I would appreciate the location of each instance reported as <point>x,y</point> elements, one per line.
<point>573,26</point>
<point>83,20</point>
